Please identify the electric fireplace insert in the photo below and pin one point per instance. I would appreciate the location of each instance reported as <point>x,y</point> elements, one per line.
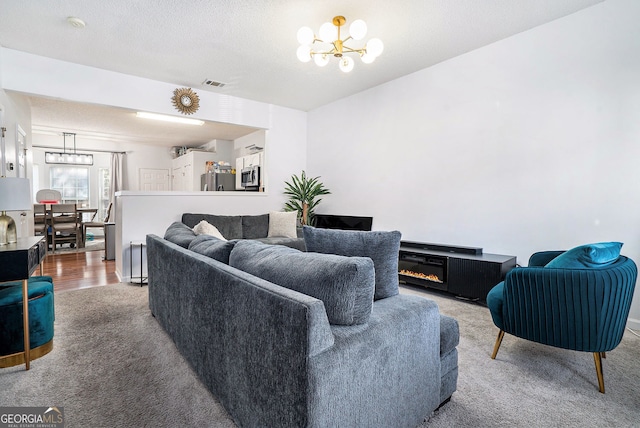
<point>463,271</point>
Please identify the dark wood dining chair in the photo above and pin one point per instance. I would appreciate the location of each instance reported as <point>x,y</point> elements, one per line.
<point>66,226</point>
<point>40,219</point>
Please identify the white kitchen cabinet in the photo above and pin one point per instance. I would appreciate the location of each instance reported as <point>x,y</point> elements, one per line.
<point>252,160</point>
<point>187,169</point>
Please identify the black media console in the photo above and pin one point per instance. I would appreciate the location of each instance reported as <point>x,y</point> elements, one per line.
<point>463,271</point>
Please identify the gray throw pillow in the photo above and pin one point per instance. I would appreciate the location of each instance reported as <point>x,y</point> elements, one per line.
<point>230,226</point>
<point>213,247</point>
<point>382,247</point>
<point>344,284</point>
<point>255,226</point>
<point>180,234</point>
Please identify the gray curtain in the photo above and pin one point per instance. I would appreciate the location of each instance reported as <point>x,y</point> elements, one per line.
<point>117,184</point>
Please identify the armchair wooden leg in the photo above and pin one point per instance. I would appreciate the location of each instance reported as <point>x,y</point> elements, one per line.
<point>497,345</point>
<point>597,357</point>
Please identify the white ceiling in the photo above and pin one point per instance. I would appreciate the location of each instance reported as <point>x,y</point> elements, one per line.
<point>251,45</point>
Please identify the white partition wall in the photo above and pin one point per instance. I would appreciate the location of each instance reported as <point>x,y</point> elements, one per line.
<point>142,213</point>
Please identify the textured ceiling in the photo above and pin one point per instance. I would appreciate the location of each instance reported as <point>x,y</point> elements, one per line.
<point>251,45</point>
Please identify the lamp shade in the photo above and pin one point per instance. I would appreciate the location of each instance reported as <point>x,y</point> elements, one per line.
<point>15,194</point>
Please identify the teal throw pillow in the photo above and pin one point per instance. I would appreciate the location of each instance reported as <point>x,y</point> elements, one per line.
<point>588,256</point>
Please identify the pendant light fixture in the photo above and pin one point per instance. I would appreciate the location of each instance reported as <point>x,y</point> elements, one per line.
<point>68,158</point>
<point>331,40</point>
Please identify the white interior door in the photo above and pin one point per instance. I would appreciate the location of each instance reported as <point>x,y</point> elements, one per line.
<point>154,179</point>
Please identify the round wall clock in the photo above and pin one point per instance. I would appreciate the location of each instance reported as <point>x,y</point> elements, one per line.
<point>185,100</point>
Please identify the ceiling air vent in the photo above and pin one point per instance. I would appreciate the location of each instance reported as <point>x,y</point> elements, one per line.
<point>213,83</point>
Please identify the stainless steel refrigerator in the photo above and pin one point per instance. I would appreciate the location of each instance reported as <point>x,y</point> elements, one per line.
<point>217,181</point>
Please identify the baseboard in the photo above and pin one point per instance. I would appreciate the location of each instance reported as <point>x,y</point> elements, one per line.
<point>633,324</point>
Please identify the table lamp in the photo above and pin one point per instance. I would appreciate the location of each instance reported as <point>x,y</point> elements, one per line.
<point>15,195</point>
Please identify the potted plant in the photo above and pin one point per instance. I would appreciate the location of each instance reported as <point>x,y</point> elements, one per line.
<point>303,195</point>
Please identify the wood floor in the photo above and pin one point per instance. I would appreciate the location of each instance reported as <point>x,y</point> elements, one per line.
<point>72,271</point>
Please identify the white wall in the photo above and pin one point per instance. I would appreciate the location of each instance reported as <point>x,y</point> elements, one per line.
<point>255,138</point>
<point>223,150</point>
<point>528,144</point>
<point>14,112</point>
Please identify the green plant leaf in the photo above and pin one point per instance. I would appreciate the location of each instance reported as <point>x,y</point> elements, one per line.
<point>301,190</point>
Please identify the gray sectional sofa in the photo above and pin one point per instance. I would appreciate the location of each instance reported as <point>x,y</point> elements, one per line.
<point>244,227</point>
<point>285,338</point>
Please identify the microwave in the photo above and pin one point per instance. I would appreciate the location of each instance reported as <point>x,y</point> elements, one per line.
<point>250,177</point>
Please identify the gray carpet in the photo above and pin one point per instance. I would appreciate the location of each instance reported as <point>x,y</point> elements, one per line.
<point>113,366</point>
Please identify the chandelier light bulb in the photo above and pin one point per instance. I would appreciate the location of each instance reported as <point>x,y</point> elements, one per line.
<point>358,29</point>
<point>305,36</point>
<point>321,60</point>
<point>346,64</point>
<point>304,53</point>
<point>367,58</point>
<point>328,32</point>
<point>375,47</point>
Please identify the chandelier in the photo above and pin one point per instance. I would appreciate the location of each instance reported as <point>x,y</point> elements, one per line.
<point>331,41</point>
<point>67,158</point>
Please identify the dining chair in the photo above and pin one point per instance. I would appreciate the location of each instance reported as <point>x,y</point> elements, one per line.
<point>95,224</point>
<point>48,196</point>
<point>65,225</point>
<point>39,219</point>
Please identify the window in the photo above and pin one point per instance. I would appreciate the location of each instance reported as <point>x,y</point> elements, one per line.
<point>72,182</point>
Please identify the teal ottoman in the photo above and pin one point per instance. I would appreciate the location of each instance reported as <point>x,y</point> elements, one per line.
<point>41,317</point>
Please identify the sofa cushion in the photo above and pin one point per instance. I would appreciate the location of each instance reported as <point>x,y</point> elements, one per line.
<point>229,225</point>
<point>283,224</point>
<point>297,243</point>
<point>255,226</point>
<point>597,255</point>
<point>344,284</point>
<point>382,247</point>
<point>213,247</point>
<point>449,334</point>
<point>180,234</point>
<point>205,228</point>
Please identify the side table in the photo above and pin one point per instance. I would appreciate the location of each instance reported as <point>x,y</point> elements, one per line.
<point>18,261</point>
<point>134,245</point>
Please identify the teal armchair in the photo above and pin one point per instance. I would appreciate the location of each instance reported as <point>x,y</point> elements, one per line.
<point>582,309</point>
